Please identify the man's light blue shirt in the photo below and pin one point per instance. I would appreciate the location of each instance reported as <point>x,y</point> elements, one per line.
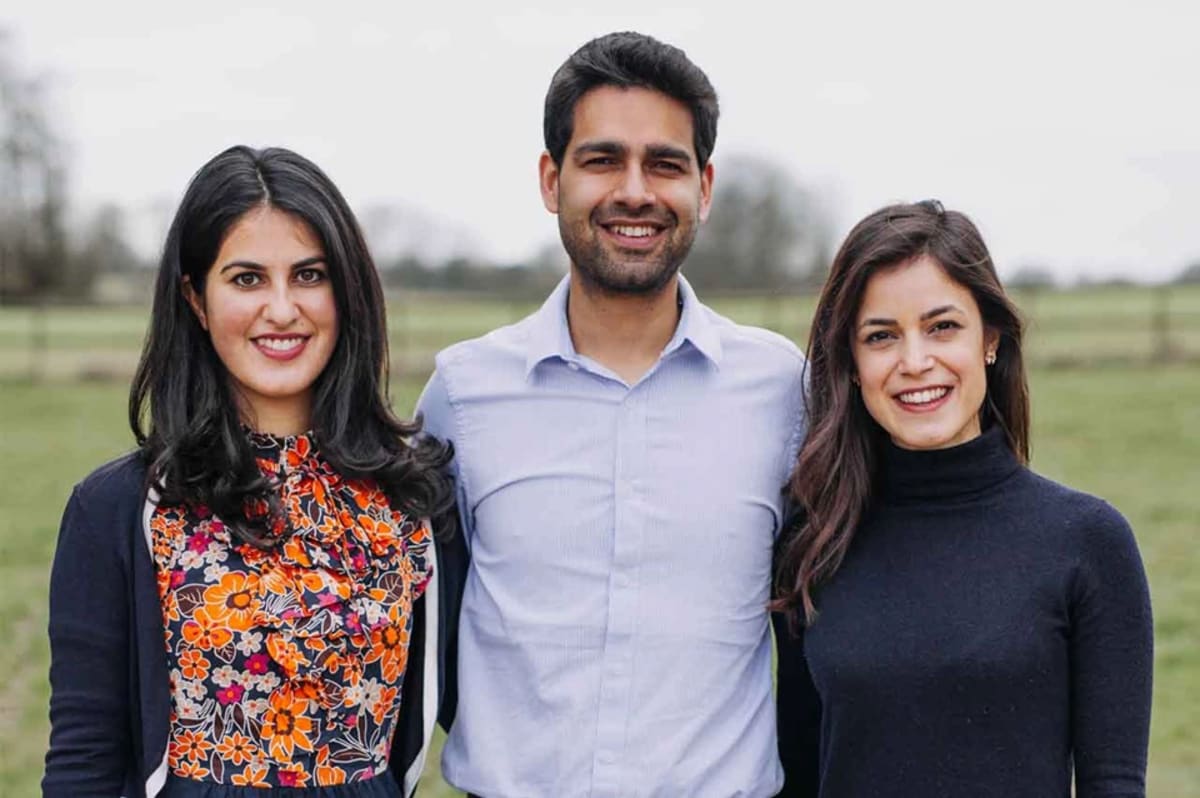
<point>614,638</point>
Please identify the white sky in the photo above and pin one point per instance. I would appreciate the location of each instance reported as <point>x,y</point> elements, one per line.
<point>1070,131</point>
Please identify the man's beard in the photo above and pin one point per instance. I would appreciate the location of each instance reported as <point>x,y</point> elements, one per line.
<point>619,273</point>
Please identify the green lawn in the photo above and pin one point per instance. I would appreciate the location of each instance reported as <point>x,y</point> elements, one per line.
<point>1102,325</point>
<point>1129,434</point>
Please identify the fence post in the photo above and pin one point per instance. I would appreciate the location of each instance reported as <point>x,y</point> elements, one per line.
<point>39,340</point>
<point>399,338</point>
<point>1160,324</point>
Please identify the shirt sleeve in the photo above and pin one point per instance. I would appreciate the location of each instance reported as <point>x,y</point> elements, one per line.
<point>798,709</point>
<point>437,414</point>
<point>800,421</point>
<point>1111,654</point>
<point>90,735</point>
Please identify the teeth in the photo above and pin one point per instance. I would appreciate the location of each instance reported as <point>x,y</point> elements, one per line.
<point>923,397</point>
<point>279,344</point>
<point>633,232</point>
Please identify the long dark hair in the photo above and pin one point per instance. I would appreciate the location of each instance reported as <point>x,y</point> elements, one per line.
<point>195,449</point>
<point>835,476</point>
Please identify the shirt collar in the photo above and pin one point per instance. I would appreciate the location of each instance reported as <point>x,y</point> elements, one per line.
<point>550,336</point>
<point>695,326</point>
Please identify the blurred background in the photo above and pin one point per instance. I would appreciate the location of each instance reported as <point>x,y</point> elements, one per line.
<point>1068,131</point>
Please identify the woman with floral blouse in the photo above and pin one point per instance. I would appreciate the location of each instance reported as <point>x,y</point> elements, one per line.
<point>256,598</point>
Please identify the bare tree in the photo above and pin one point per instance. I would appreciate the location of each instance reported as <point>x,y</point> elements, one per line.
<point>1189,275</point>
<point>1031,277</point>
<point>34,256</point>
<point>766,231</point>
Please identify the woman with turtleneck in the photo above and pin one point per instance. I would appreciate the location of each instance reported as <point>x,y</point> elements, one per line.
<point>951,623</point>
<point>259,599</point>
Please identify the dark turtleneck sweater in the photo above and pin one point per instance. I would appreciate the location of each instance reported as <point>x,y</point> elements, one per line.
<point>988,630</point>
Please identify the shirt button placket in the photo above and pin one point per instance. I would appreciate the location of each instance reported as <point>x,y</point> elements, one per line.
<point>622,600</point>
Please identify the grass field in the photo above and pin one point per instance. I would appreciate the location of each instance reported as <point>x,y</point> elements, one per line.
<point>1084,327</point>
<point>1130,433</point>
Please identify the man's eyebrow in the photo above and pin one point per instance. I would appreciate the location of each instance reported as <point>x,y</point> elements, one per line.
<point>669,152</point>
<point>603,147</point>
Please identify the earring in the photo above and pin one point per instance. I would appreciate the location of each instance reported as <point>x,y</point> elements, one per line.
<point>990,358</point>
<point>854,379</point>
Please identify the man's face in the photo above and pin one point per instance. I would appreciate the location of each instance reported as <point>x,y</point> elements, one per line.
<point>629,194</point>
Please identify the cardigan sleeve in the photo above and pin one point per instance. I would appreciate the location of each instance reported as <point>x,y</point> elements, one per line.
<point>798,713</point>
<point>1111,655</point>
<point>90,730</point>
<point>438,418</point>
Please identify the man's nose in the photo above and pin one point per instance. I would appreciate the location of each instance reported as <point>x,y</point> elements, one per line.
<point>634,191</point>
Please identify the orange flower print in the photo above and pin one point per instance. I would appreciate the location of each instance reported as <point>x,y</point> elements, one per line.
<point>192,770</point>
<point>326,773</point>
<point>318,492</point>
<point>252,776</point>
<point>286,727</point>
<point>390,645</point>
<point>233,600</point>
<point>379,532</point>
<point>237,749</point>
<point>329,527</point>
<point>366,496</point>
<point>189,744</point>
<point>286,653</point>
<point>312,581</point>
<point>193,664</point>
<point>421,535</point>
<point>286,662</point>
<point>299,453</point>
<point>383,704</point>
<point>277,580</point>
<point>206,632</point>
<point>252,555</point>
<point>293,549</point>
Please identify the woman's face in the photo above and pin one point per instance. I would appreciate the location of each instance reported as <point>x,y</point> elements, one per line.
<point>919,349</point>
<point>269,307</point>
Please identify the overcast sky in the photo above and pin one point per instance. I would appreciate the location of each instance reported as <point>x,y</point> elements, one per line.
<point>1070,131</point>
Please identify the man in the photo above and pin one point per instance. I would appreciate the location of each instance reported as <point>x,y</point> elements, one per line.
<point>620,455</point>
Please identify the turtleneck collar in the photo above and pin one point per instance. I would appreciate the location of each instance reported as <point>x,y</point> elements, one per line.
<point>959,471</point>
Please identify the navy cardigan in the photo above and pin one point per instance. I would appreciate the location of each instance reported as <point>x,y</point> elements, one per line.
<point>109,694</point>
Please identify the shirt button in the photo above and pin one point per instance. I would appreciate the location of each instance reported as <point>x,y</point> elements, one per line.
<point>622,580</point>
<point>573,366</point>
<point>606,757</point>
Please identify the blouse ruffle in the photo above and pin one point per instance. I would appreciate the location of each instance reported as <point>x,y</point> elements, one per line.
<point>327,611</point>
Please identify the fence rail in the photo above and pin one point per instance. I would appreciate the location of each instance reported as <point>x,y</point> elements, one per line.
<point>1080,328</point>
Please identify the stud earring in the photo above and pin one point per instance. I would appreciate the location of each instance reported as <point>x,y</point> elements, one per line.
<point>854,379</point>
<point>990,358</point>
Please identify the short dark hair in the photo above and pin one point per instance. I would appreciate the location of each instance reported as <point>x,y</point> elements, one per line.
<point>629,60</point>
<point>834,479</point>
<point>181,408</point>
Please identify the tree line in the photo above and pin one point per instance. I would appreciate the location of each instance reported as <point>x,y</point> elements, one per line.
<point>768,232</point>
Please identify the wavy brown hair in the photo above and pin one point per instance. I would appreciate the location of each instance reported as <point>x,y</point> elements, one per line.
<point>836,474</point>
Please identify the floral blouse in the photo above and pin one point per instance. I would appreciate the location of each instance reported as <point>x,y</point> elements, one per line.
<point>286,665</point>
